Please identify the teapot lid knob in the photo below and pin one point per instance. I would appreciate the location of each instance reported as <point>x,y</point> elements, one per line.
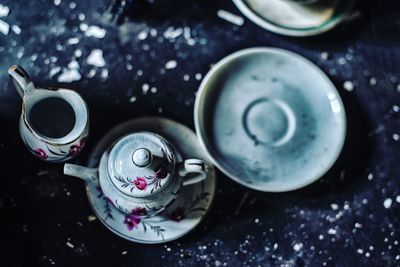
<point>142,157</point>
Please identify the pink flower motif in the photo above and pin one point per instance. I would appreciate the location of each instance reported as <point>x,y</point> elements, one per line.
<point>139,211</point>
<point>40,153</point>
<point>140,183</point>
<point>131,221</point>
<point>75,149</point>
<point>161,173</point>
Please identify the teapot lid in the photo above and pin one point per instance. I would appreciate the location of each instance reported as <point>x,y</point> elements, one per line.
<point>141,164</point>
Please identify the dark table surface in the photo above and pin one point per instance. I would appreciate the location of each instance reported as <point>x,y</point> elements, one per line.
<point>350,217</point>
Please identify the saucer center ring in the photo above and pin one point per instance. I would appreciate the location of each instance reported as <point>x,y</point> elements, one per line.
<point>269,122</point>
<point>142,157</point>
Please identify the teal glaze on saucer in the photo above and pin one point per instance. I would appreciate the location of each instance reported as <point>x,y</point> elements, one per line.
<point>270,119</point>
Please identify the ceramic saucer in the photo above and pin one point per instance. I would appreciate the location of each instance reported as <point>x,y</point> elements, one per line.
<point>295,19</point>
<point>270,119</point>
<point>185,213</point>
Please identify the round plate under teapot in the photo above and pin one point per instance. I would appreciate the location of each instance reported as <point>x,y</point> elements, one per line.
<point>185,213</point>
<point>293,18</point>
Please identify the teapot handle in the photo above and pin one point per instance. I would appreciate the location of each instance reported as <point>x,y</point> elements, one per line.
<point>21,80</point>
<point>193,166</point>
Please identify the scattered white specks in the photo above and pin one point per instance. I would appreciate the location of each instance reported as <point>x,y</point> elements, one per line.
<point>275,246</point>
<point>91,73</point>
<point>73,65</point>
<point>96,58</point>
<point>57,2</point>
<point>186,77</point>
<point>372,81</point>
<point>78,53</point>
<point>367,254</point>
<point>83,27</point>
<point>81,16</point>
<point>325,55</point>
<point>168,249</point>
<point>132,99</point>
<point>16,29</point>
<point>256,220</point>
<point>232,18</point>
<point>72,5</point>
<point>358,225</point>
<point>54,71</point>
<point>342,61</point>
<point>142,35</point>
<point>4,10</point>
<point>104,74</point>
<point>171,64</point>
<point>145,88</point>
<point>387,203</point>
<point>4,27</point>
<point>334,206</point>
<point>360,251</point>
<point>69,244</point>
<point>332,231</point>
<point>69,75</point>
<point>370,176</point>
<point>396,137</point>
<point>298,247</point>
<point>172,33</point>
<point>93,31</point>
<point>348,85</point>
<point>396,108</point>
<point>72,41</point>
<point>91,218</point>
<point>398,199</point>
<point>124,252</point>
<point>321,237</point>
<point>198,76</point>
<point>153,90</point>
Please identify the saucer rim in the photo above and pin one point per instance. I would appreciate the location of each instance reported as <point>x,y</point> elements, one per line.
<point>212,174</point>
<point>202,138</point>
<point>301,32</point>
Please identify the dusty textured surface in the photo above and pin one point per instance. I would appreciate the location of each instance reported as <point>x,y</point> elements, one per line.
<point>150,62</point>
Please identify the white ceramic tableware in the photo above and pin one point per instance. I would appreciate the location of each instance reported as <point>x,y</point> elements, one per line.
<point>179,218</point>
<point>140,173</point>
<point>54,123</point>
<point>270,119</point>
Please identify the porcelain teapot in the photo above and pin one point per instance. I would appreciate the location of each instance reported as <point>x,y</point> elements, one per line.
<point>141,174</point>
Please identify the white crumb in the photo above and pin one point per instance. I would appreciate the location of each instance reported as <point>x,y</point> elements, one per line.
<point>387,203</point>
<point>16,29</point>
<point>96,58</point>
<point>171,64</point>
<point>69,75</point>
<point>232,18</point>
<point>4,27</point>
<point>95,31</point>
<point>4,10</point>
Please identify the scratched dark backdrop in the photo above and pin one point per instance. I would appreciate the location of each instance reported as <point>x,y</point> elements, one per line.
<point>350,217</point>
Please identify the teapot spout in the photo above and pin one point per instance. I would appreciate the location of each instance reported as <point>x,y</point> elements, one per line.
<point>87,174</point>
